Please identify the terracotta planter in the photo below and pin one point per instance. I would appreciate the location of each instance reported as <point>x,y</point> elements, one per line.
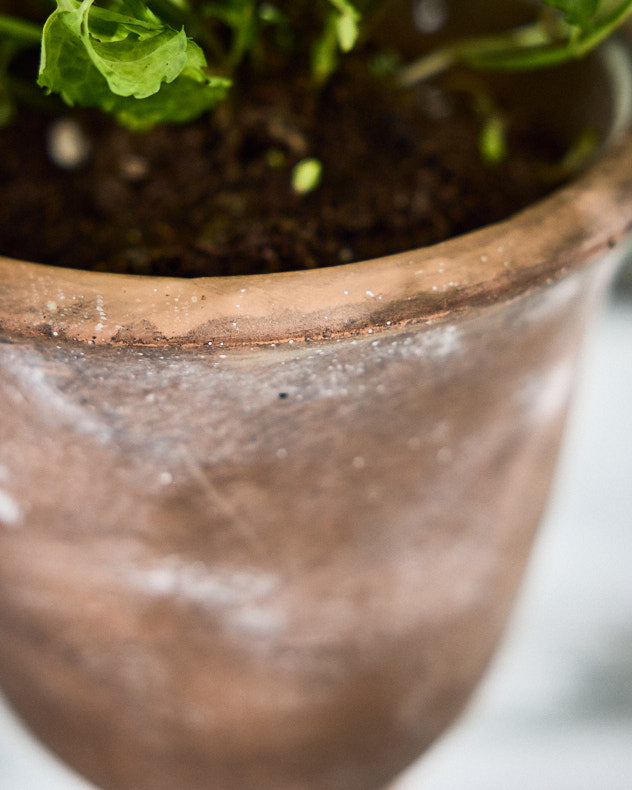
<point>264,532</point>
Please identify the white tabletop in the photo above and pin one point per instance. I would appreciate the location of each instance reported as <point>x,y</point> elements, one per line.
<point>555,712</point>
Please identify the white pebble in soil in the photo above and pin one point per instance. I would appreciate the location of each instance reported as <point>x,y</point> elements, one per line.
<point>66,144</point>
<point>430,16</point>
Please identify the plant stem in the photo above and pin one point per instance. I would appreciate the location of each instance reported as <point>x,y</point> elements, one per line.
<point>427,67</point>
<point>604,30</point>
<point>479,52</point>
<point>532,46</point>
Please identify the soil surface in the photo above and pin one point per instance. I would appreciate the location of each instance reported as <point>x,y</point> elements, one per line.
<point>400,170</point>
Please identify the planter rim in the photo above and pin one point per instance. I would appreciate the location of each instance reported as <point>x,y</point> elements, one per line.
<point>566,230</point>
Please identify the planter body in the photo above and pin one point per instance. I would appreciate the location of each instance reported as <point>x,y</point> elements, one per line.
<point>208,585</point>
<point>265,532</point>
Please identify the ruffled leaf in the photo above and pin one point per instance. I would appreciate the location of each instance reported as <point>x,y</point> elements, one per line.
<point>126,62</point>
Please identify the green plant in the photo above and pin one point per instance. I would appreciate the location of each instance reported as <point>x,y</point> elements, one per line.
<point>564,30</point>
<point>165,61</point>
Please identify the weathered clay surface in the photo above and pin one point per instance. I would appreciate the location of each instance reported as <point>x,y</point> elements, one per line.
<point>281,567</point>
<point>265,532</point>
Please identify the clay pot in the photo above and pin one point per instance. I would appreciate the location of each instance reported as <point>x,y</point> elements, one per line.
<point>265,532</point>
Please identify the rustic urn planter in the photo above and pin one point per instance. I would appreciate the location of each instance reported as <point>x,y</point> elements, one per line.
<point>264,532</point>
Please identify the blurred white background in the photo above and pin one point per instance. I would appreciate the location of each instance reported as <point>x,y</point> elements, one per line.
<point>555,712</point>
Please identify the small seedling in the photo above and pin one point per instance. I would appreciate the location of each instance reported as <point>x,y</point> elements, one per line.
<point>306,175</point>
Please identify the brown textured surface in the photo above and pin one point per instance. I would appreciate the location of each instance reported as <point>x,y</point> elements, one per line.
<point>282,565</point>
<point>401,169</point>
<point>395,177</point>
<point>556,235</point>
<point>207,585</point>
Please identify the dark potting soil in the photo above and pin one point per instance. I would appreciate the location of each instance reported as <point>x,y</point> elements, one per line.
<point>399,170</point>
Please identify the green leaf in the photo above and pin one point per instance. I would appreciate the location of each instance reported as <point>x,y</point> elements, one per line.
<point>135,55</point>
<point>346,22</point>
<point>339,34</point>
<point>325,52</point>
<point>492,140</point>
<point>306,175</point>
<point>577,12</point>
<point>180,101</point>
<point>129,64</point>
